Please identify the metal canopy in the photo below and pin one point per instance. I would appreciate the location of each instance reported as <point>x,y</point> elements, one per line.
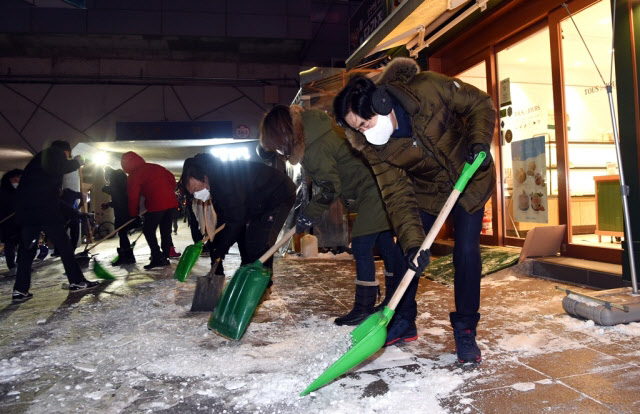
<point>409,20</point>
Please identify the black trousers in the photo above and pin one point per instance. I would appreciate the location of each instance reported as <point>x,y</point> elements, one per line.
<point>123,233</point>
<point>151,222</point>
<point>11,241</point>
<point>262,233</point>
<point>28,248</point>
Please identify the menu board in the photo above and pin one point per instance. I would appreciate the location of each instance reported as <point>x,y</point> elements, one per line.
<point>531,202</point>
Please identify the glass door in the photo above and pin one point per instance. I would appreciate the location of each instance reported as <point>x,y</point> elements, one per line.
<point>527,138</point>
<point>477,76</point>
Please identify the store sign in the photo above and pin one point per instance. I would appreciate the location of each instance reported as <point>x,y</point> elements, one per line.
<point>531,202</point>
<point>366,19</point>
<point>505,92</point>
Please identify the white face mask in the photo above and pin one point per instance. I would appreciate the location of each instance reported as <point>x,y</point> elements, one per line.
<point>15,185</point>
<point>202,195</point>
<point>380,133</point>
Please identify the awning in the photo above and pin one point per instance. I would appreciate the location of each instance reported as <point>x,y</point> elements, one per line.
<point>410,22</point>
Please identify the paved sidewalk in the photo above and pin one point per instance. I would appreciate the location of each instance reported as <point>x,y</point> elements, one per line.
<point>132,346</point>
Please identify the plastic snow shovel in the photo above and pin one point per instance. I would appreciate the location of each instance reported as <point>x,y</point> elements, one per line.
<point>191,254</point>
<point>242,295</point>
<point>368,337</point>
<point>101,272</point>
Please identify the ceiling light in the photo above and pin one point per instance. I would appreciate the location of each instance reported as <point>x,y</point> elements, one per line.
<point>231,154</point>
<point>522,59</point>
<point>101,158</point>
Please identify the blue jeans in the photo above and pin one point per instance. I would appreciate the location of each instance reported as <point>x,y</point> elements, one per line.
<point>466,260</point>
<point>362,248</point>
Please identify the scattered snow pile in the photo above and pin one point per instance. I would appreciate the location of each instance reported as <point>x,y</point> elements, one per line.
<point>326,256</point>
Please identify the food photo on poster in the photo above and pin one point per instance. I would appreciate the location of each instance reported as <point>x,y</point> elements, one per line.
<point>529,180</point>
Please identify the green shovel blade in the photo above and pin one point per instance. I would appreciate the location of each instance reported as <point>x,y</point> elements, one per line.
<point>101,272</point>
<point>239,300</point>
<point>366,339</point>
<point>187,261</point>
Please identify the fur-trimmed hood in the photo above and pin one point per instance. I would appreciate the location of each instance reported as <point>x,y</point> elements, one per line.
<point>398,70</point>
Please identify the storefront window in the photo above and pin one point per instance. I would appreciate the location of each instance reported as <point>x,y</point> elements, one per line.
<point>530,178</point>
<point>477,76</point>
<point>595,204</point>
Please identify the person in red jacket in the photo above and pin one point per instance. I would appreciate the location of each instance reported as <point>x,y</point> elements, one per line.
<point>156,184</point>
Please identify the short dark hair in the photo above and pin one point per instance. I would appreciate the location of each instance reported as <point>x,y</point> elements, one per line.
<point>354,97</point>
<point>191,169</point>
<point>62,145</point>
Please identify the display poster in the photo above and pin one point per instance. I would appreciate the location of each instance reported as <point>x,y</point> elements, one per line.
<point>531,202</point>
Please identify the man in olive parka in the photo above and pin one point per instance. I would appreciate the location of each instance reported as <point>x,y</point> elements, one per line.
<point>311,138</point>
<point>417,130</point>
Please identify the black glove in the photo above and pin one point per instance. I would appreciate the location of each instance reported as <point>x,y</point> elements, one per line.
<point>303,222</point>
<point>423,260</point>
<point>477,149</point>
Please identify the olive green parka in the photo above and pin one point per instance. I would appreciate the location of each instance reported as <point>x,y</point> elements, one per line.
<point>448,116</point>
<point>340,172</point>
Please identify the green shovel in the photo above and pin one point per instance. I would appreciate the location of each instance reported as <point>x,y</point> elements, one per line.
<point>242,294</point>
<point>368,337</point>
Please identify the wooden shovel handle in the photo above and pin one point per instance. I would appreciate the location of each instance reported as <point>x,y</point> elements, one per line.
<point>279,244</point>
<point>428,241</point>
<point>8,217</point>
<point>111,234</point>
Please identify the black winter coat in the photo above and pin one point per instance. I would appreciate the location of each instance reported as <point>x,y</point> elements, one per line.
<point>117,189</point>
<point>41,186</point>
<point>8,207</point>
<point>241,191</point>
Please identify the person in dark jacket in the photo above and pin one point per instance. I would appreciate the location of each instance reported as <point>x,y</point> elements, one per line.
<point>9,227</point>
<point>71,200</point>
<point>311,138</point>
<point>117,188</point>
<point>157,185</point>
<point>417,130</point>
<point>39,208</point>
<point>251,199</point>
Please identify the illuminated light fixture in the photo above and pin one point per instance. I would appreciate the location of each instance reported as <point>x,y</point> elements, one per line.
<point>606,20</point>
<point>231,154</point>
<point>101,158</point>
<point>305,72</point>
<point>578,63</point>
<point>522,59</point>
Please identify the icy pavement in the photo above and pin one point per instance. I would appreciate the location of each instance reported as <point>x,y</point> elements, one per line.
<point>132,346</point>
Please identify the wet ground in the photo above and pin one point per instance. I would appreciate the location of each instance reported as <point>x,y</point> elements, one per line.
<point>132,346</point>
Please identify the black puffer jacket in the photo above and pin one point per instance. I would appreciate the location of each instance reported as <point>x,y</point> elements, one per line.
<point>241,191</point>
<point>41,186</point>
<point>8,197</point>
<point>448,116</point>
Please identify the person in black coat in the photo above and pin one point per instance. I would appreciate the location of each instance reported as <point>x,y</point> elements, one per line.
<point>253,200</point>
<point>9,226</point>
<point>117,189</point>
<point>39,208</point>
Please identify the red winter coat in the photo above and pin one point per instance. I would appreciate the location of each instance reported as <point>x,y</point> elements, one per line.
<point>155,183</point>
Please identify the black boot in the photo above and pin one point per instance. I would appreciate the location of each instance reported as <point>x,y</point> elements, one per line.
<point>390,285</point>
<point>363,306</point>
<point>125,257</point>
<point>157,261</point>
